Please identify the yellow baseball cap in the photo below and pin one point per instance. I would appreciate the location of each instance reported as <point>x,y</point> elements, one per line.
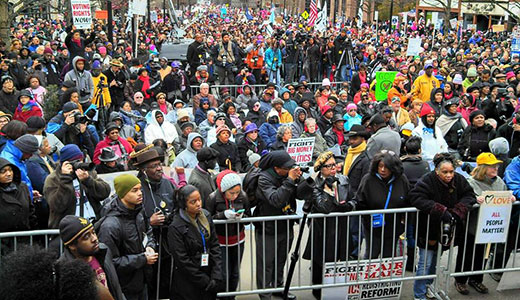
<point>487,158</point>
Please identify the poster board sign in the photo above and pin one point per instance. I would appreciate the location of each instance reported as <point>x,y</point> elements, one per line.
<point>139,7</point>
<point>435,17</point>
<point>453,23</point>
<point>344,272</point>
<point>471,27</point>
<point>414,46</point>
<point>384,82</point>
<point>395,22</point>
<point>101,14</point>
<point>300,150</point>
<point>153,16</point>
<point>498,28</point>
<point>493,217</point>
<point>81,13</point>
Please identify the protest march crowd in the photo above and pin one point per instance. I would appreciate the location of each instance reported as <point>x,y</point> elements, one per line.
<point>74,105</point>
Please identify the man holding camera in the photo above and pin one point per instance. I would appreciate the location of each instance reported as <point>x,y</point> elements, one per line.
<point>73,188</point>
<point>116,81</point>
<point>276,195</point>
<point>226,54</point>
<point>83,80</point>
<point>70,126</point>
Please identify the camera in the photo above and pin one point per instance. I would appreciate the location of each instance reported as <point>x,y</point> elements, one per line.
<point>79,118</point>
<point>447,233</point>
<point>84,93</point>
<point>79,165</point>
<point>502,92</point>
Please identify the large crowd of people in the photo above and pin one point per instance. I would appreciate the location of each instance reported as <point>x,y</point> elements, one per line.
<point>74,105</point>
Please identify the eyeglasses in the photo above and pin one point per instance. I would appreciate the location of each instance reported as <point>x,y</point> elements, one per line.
<point>352,110</point>
<point>328,166</point>
<point>139,97</point>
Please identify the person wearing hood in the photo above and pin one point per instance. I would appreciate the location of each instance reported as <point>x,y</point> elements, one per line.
<point>325,121</point>
<point>383,137</point>
<point>113,140</point>
<point>229,202</point>
<point>83,80</point>
<point>312,130</point>
<point>452,124</point>
<point>158,128</point>
<point>298,125</point>
<point>471,78</point>
<point>307,102</point>
<point>128,120</point>
<point>27,107</point>
<point>194,244</point>
<point>255,114</point>
<point>232,115</point>
<point>201,176</point>
<point>432,140</point>
<point>476,137</point>
<point>188,157</point>
<point>178,104</point>
<point>250,142</point>
<point>202,76</point>
<point>202,112</point>
<point>288,104</point>
<point>283,135</point>
<point>228,157</point>
<point>100,80</point>
<point>248,94</point>
<point>437,101</point>
<point>468,104</point>
<point>269,129</point>
<point>129,236</point>
<point>8,95</point>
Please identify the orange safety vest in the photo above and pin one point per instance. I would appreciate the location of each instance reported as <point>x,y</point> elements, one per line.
<point>251,61</point>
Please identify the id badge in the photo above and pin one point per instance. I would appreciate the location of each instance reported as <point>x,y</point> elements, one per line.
<point>204,260</point>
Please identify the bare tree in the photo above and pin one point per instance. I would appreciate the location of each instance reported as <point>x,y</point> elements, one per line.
<point>446,6</point>
<point>488,6</point>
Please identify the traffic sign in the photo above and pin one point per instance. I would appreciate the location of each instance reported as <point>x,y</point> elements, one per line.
<point>305,15</point>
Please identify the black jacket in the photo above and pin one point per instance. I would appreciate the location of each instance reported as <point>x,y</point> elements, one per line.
<point>104,257</point>
<point>192,56</point>
<point>8,102</point>
<point>244,145</point>
<point>124,231</point>
<point>475,141</point>
<point>414,168</point>
<point>216,205</point>
<point>117,94</point>
<point>191,280</point>
<point>357,170</point>
<point>513,137</point>
<point>163,191</point>
<point>276,196</point>
<point>204,182</point>
<point>227,152</point>
<point>433,197</point>
<point>70,134</point>
<point>323,124</point>
<point>78,49</point>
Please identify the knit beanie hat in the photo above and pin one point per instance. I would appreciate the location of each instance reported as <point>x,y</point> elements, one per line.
<point>70,152</point>
<point>474,114</point>
<point>228,179</point>
<point>222,128</point>
<point>72,227</point>
<point>499,146</point>
<point>253,157</point>
<point>124,183</point>
<point>69,106</point>
<point>27,143</point>
<point>426,110</point>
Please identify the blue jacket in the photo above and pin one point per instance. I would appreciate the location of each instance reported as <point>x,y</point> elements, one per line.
<point>273,59</point>
<point>268,133</point>
<point>14,156</point>
<point>512,176</point>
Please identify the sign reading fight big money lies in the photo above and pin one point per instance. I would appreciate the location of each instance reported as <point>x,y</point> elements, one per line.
<point>494,216</point>
<point>81,13</point>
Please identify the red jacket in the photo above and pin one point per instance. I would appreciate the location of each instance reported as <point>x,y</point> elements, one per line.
<point>106,143</point>
<point>23,116</point>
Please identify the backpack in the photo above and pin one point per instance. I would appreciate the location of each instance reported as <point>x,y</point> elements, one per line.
<point>250,184</point>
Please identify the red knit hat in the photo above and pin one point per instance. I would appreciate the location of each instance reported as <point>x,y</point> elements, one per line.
<point>426,110</point>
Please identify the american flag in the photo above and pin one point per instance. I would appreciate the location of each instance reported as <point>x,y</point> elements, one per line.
<point>314,13</point>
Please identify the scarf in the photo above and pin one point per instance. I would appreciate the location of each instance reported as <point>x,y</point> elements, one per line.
<point>164,108</point>
<point>362,78</point>
<point>27,107</point>
<point>351,154</point>
<point>339,134</point>
<point>146,85</point>
<point>77,42</point>
<point>199,221</point>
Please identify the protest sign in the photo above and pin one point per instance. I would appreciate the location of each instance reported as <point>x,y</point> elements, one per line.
<point>81,13</point>
<point>300,150</point>
<point>498,28</point>
<point>361,271</point>
<point>384,82</point>
<point>395,22</point>
<point>493,217</point>
<point>453,23</point>
<point>101,14</point>
<point>139,7</point>
<point>414,47</point>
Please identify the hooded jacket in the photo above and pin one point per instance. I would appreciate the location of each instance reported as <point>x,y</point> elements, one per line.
<point>14,156</point>
<point>290,105</point>
<point>165,131</point>
<point>125,231</point>
<point>204,182</point>
<point>188,157</point>
<point>83,80</point>
<point>432,140</point>
<point>70,134</point>
<point>437,107</point>
<point>451,127</point>
<point>268,132</point>
<point>513,137</point>
<point>298,127</point>
<point>242,100</point>
<point>475,140</point>
<point>127,129</point>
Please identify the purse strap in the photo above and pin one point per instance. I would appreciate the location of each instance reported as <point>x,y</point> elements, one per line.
<point>389,194</point>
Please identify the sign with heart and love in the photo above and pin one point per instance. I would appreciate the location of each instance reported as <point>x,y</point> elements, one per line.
<point>494,216</point>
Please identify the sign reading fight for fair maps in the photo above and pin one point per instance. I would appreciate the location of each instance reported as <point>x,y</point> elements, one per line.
<point>81,13</point>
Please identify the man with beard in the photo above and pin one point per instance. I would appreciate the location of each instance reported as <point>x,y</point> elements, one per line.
<point>81,242</point>
<point>158,195</point>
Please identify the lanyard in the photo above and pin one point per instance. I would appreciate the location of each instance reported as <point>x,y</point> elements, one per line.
<point>203,240</point>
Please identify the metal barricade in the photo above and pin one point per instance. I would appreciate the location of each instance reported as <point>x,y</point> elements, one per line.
<point>11,241</point>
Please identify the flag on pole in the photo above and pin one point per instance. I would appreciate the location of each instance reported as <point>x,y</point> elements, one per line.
<point>249,17</point>
<point>314,13</point>
<point>272,17</point>
<point>321,23</point>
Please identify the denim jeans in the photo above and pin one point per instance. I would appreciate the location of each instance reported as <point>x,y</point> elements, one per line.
<point>274,76</point>
<point>426,266</point>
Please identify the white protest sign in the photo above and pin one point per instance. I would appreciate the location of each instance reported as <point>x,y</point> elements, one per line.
<point>139,7</point>
<point>414,47</point>
<point>453,23</point>
<point>471,27</point>
<point>493,218</point>
<point>342,272</point>
<point>376,15</point>
<point>300,150</point>
<point>395,22</point>
<point>435,17</point>
<point>81,13</point>
<point>153,16</point>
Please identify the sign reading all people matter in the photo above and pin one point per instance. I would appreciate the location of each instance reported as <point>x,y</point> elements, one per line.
<point>81,13</point>
<point>363,271</point>
<point>384,82</point>
<point>300,150</point>
<point>493,217</point>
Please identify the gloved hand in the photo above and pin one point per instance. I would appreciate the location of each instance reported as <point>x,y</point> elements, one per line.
<point>329,181</point>
<point>212,286</point>
<point>446,216</point>
<point>230,214</point>
<point>351,205</point>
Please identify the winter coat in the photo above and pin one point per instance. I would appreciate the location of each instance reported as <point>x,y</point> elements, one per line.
<point>324,124</point>
<point>244,145</point>
<point>384,138</point>
<point>83,80</point>
<point>452,128</point>
<point>188,157</point>
<point>475,141</point>
<point>335,229</point>
<point>423,86</point>
<point>320,145</point>
<point>70,134</point>
<point>371,195</point>
<point>242,100</point>
<point>23,116</point>
<point>204,182</point>
<point>105,259</point>
<point>267,132</point>
<point>124,231</point>
<point>513,137</point>
<point>78,49</point>
<point>414,168</point>
<point>165,131</point>
<point>257,117</point>
<point>284,117</point>
<point>332,138</point>
<point>61,196</point>
<point>368,109</point>
<point>350,121</point>
<point>14,156</point>
<point>358,169</point>
<point>191,279</point>
<point>431,144</point>
<point>298,127</point>
<point>433,197</point>
<point>37,171</point>
<point>117,92</point>
<point>228,155</point>
<point>273,59</point>
<point>8,102</point>
<point>107,142</point>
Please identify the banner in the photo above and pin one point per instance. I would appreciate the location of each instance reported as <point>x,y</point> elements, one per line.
<point>493,217</point>
<point>139,7</point>
<point>384,82</point>
<point>101,14</point>
<point>363,270</point>
<point>414,47</point>
<point>300,150</point>
<point>81,13</point>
